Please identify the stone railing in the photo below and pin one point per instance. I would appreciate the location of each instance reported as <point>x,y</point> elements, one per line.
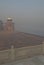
<point>14,54</point>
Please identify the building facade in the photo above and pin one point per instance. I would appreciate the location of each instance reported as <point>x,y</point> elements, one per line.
<point>1,25</point>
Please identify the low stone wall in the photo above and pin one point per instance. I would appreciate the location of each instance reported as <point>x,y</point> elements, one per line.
<point>19,53</point>
<point>4,56</point>
<point>28,51</point>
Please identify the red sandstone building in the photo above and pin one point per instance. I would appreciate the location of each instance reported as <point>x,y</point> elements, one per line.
<point>9,26</point>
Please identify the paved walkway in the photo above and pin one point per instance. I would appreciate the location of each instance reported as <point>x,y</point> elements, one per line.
<point>38,60</point>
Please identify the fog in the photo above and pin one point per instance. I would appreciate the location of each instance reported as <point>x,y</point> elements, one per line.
<point>31,21</point>
<point>28,15</point>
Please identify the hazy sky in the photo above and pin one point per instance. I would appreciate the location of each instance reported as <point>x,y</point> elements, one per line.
<point>28,15</point>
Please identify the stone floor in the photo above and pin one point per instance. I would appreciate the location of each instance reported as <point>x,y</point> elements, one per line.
<point>37,60</point>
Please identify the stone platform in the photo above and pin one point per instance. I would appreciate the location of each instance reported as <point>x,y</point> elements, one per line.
<point>37,60</point>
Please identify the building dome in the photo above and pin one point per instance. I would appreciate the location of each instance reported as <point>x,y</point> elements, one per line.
<point>9,19</point>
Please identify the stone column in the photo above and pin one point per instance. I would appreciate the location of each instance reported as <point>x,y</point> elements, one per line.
<point>42,47</point>
<point>12,53</point>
